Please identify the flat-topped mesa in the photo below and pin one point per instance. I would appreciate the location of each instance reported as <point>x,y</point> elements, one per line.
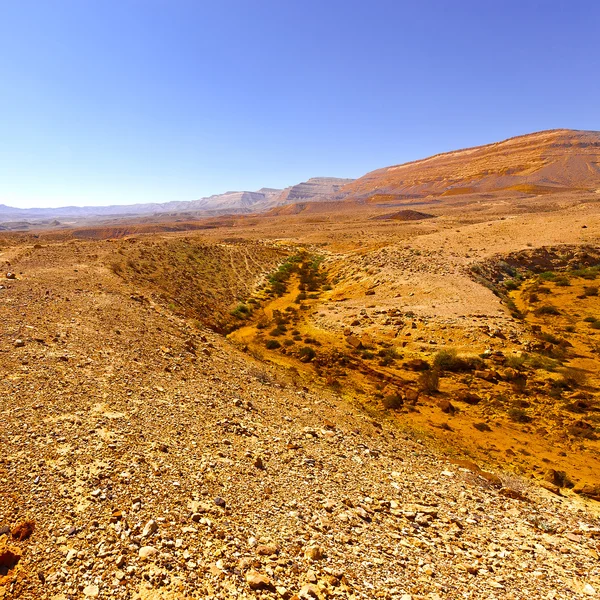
<point>314,189</point>
<point>537,163</point>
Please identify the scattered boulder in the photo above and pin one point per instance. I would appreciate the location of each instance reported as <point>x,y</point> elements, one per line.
<point>590,490</point>
<point>256,581</point>
<point>416,364</point>
<point>468,397</point>
<point>23,531</point>
<point>558,478</point>
<point>446,406</point>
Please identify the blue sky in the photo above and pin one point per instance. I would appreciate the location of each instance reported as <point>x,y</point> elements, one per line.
<point>124,101</point>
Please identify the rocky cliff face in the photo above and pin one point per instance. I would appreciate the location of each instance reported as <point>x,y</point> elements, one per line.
<point>316,188</point>
<point>543,162</point>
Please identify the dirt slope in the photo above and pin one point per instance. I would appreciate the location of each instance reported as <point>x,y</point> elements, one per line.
<point>537,163</point>
<point>156,461</point>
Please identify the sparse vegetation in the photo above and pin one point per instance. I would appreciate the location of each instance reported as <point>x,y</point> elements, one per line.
<point>449,360</point>
<point>429,381</point>
<point>547,309</point>
<point>518,415</point>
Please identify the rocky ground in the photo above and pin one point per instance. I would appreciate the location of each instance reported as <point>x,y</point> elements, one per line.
<point>146,457</point>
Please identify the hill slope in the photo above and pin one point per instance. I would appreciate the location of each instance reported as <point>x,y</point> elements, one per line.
<point>543,162</point>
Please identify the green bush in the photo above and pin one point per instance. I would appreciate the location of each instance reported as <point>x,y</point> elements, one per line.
<point>393,401</point>
<point>547,309</point>
<point>519,415</point>
<point>449,360</point>
<point>307,353</point>
<point>429,381</point>
<point>272,344</point>
<point>241,311</point>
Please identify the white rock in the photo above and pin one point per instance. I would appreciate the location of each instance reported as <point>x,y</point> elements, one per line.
<point>150,528</point>
<point>91,591</point>
<point>589,590</point>
<point>147,551</point>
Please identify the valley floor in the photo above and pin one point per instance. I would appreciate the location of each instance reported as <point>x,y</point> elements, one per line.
<point>144,456</point>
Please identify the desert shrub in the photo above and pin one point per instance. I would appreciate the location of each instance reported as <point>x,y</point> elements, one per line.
<point>537,361</point>
<point>589,273</point>
<point>512,307</point>
<point>562,281</point>
<point>553,339</point>
<point>590,291</point>
<point>301,296</point>
<point>582,429</point>
<point>241,311</point>
<point>277,331</point>
<point>116,268</point>
<point>572,377</point>
<point>547,276</point>
<point>542,289</point>
<point>288,342</point>
<point>570,329</point>
<point>511,284</point>
<point>595,325</point>
<point>387,356</point>
<point>483,427</point>
<point>449,360</point>
<point>429,381</point>
<point>518,415</point>
<point>515,361</point>
<point>307,353</point>
<point>591,319</point>
<point>272,344</point>
<point>547,309</point>
<point>393,401</point>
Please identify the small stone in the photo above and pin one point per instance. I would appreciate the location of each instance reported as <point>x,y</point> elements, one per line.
<point>19,343</point>
<point>220,502</point>
<point>147,552</point>
<point>310,590</point>
<point>589,590</point>
<point>267,549</point>
<point>91,591</point>
<point>258,463</point>
<point>314,553</point>
<point>256,581</point>
<point>150,528</point>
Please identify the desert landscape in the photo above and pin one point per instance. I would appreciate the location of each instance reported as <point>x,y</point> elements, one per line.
<point>386,387</point>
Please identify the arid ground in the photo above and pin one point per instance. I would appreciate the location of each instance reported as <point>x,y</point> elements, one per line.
<point>394,401</point>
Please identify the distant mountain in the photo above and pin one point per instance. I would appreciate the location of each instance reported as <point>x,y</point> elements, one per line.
<point>538,163</point>
<point>314,189</point>
<point>227,202</point>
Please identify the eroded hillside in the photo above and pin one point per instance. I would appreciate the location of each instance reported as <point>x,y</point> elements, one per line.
<point>145,456</point>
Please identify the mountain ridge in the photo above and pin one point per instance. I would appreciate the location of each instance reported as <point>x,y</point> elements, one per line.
<point>550,160</point>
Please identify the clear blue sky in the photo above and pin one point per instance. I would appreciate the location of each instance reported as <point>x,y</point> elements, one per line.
<point>120,101</point>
